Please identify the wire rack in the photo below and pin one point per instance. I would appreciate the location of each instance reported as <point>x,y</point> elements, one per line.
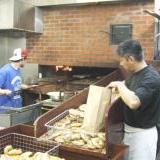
<point>51,123</point>
<point>27,143</point>
<point>52,127</point>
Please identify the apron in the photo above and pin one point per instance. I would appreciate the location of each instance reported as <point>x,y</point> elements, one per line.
<point>142,144</point>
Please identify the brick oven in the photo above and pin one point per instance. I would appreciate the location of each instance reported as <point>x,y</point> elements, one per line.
<point>82,35</point>
<point>77,48</point>
<point>85,38</point>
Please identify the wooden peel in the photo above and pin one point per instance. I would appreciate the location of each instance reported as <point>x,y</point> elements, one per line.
<point>152,13</point>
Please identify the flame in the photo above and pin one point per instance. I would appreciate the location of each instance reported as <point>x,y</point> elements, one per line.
<point>63,68</point>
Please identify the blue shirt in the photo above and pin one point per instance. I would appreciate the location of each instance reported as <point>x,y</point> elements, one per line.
<point>10,78</point>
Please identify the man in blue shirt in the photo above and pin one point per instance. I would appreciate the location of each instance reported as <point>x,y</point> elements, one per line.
<point>10,80</point>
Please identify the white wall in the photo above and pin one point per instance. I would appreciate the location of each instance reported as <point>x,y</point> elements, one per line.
<point>157,6</point>
<point>7,45</point>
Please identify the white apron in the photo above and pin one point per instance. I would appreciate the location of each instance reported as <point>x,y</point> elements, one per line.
<point>142,143</point>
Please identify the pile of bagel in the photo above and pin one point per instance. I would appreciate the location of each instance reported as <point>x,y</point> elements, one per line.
<point>11,153</point>
<point>69,130</point>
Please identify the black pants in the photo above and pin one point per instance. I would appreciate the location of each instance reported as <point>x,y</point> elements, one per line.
<point>158,143</point>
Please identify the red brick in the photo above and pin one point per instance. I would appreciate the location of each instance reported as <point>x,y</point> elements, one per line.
<point>72,35</point>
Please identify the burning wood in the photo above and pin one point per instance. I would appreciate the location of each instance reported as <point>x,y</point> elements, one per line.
<point>63,68</point>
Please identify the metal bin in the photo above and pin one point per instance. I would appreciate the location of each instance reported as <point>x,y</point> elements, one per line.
<point>12,116</point>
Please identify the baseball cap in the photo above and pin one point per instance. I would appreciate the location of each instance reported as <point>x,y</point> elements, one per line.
<point>19,54</point>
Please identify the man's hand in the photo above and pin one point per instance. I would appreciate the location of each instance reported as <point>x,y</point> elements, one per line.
<point>115,86</point>
<point>5,92</point>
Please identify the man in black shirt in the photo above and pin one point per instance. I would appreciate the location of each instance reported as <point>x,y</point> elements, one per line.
<point>140,94</point>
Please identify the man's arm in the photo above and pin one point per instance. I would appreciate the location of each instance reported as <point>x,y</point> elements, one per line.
<point>129,97</point>
<point>25,86</point>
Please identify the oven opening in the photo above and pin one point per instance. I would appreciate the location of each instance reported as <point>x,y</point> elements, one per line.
<point>59,83</point>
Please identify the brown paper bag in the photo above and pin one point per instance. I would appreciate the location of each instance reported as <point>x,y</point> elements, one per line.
<point>97,102</point>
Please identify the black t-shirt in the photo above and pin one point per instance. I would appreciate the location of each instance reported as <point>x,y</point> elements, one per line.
<point>146,85</point>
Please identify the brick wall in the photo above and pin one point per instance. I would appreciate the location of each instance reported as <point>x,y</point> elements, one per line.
<point>72,35</point>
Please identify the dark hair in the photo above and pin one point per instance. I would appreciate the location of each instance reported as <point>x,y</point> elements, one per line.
<point>132,48</point>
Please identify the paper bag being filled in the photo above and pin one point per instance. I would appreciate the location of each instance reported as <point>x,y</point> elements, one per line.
<point>97,102</point>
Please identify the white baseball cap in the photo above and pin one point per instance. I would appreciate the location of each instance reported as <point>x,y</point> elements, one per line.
<point>19,54</point>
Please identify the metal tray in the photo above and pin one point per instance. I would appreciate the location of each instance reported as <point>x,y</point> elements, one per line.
<point>51,103</point>
<point>27,143</point>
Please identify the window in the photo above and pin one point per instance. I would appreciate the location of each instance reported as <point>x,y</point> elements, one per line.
<point>120,33</point>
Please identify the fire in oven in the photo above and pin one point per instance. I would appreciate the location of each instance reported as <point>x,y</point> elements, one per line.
<point>60,83</point>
